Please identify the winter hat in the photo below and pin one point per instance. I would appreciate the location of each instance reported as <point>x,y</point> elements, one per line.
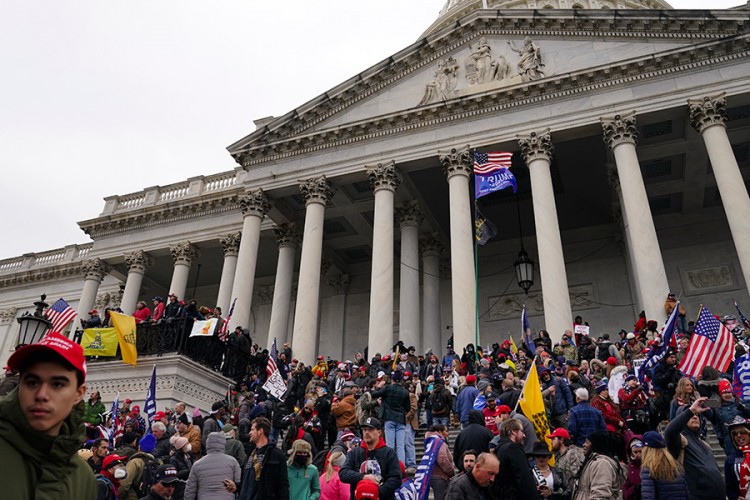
<point>396,376</point>
<point>339,460</point>
<point>183,419</point>
<point>111,460</point>
<point>366,490</point>
<point>724,386</point>
<point>300,446</point>
<point>612,361</point>
<point>601,387</point>
<point>179,442</point>
<point>482,384</point>
<point>147,443</point>
<point>227,428</point>
<point>653,439</point>
<point>471,379</point>
<point>218,405</point>
<point>630,377</point>
<point>196,412</point>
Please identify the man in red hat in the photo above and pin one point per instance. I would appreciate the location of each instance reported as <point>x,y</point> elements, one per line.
<point>108,481</point>
<point>568,457</point>
<point>41,423</point>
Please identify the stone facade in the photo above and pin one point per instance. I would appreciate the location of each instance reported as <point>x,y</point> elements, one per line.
<point>629,131</point>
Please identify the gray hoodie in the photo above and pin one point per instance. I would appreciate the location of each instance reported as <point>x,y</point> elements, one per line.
<point>206,480</point>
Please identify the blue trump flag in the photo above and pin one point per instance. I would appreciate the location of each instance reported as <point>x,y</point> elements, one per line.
<point>658,352</point>
<point>151,399</point>
<point>526,331</point>
<point>498,180</point>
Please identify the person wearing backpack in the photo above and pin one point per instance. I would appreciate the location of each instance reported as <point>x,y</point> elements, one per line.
<point>440,401</point>
<point>108,480</point>
<point>141,469</point>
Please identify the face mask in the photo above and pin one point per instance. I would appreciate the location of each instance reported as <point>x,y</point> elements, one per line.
<point>300,459</point>
<point>120,473</point>
<point>188,448</point>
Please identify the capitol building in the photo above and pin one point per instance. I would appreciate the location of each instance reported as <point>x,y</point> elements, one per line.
<point>348,222</point>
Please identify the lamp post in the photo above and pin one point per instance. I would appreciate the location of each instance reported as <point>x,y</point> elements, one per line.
<point>523,264</point>
<point>33,326</point>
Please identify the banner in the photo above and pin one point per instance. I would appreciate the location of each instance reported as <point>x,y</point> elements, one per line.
<point>419,487</point>
<point>498,180</point>
<point>275,385</point>
<point>125,328</point>
<point>741,386</point>
<point>150,405</point>
<point>99,342</point>
<point>204,328</point>
<point>581,329</point>
<point>532,405</point>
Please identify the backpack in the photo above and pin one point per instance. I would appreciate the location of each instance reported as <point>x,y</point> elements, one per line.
<point>105,489</point>
<point>148,477</point>
<point>439,403</point>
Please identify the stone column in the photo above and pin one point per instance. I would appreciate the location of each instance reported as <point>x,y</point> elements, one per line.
<point>431,331</point>
<point>409,218</point>
<point>384,180</point>
<point>620,134</point>
<point>137,262</point>
<point>458,166</point>
<point>94,272</point>
<point>287,239</point>
<point>254,207</point>
<point>230,244</point>
<point>183,254</point>
<point>317,192</point>
<point>537,152</point>
<point>708,116</point>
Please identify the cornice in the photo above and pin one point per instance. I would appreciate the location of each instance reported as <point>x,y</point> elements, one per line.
<point>158,215</point>
<point>45,274</point>
<point>615,25</point>
<point>620,73</point>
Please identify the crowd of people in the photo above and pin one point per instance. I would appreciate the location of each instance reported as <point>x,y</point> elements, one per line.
<point>347,429</point>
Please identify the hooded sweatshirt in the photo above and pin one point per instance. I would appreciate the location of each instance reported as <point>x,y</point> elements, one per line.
<point>206,479</point>
<point>39,466</point>
<point>387,462</point>
<point>475,436</point>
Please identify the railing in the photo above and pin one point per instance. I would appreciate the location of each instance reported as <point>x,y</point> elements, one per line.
<point>49,257</point>
<point>132,201</point>
<point>71,253</point>
<point>220,181</point>
<point>11,264</point>
<point>159,338</point>
<point>174,192</point>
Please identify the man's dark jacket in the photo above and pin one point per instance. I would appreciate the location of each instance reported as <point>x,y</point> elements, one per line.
<point>474,436</point>
<point>274,479</point>
<point>395,404</point>
<point>514,481</point>
<point>389,467</point>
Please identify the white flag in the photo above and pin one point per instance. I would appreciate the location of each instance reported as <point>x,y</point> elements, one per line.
<point>204,328</point>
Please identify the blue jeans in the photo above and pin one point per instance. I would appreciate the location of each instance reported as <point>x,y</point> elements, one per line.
<point>440,420</point>
<point>395,437</point>
<point>410,451</point>
<point>275,431</point>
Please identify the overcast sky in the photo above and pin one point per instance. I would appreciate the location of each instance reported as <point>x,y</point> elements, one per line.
<point>101,97</point>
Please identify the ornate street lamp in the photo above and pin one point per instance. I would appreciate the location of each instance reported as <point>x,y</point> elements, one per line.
<point>524,270</point>
<point>33,326</point>
<point>523,264</point>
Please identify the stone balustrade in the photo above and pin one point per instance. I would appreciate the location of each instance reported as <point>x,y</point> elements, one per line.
<point>30,261</point>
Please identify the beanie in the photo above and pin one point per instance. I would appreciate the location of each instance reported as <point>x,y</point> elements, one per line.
<point>147,443</point>
<point>471,379</point>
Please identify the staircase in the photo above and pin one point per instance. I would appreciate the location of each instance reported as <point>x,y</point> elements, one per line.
<point>419,440</point>
<point>713,442</point>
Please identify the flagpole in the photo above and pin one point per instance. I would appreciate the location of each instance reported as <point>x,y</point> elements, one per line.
<point>525,379</point>
<point>476,287</point>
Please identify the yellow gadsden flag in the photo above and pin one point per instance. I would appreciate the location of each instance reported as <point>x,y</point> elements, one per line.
<point>125,328</point>
<point>532,405</point>
<point>99,342</point>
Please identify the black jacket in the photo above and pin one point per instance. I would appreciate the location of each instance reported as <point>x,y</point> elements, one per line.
<point>389,469</point>
<point>515,480</point>
<point>474,436</point>
<point>274,479</point>
<point>465,487</point>
<point>396,403</point>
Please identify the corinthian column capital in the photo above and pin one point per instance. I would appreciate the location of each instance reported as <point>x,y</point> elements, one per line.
<point>457,162</point>
<point>409,214</point>
<point>536,146</point>
<point>384,176</point>
<point>286,235</point>
<point>708,111</point>
<point>138,261</point>
<point>431,245</point>
<point>95,269</point>
<point>255,203</point>
<point>230,243</point>
<point>316,190</point>
<point>620,129</point>
<point>183,252</point>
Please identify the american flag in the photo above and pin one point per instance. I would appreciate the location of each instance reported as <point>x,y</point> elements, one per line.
<point>60,314</point>
<point>712,344</point>
<point>485,163</point>
<point>119,428</point>
<point>225,326</point>
<point>151,399</point>
<point>660,350</point>
<point>526,331</point>
<point>743,318</point>
<point>271,367</point>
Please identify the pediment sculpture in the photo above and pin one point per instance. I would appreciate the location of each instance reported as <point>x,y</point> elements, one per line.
<point>482,71</point>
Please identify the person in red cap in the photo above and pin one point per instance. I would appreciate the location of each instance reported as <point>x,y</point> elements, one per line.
<point>725,414</point>
<point>41,424</point>
<point>108,481</point>
<point>568,457</point>
<point>465,401</point>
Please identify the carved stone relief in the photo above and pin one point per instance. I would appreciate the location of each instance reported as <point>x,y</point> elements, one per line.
<point>484,70</point>
<point>7,315</point>
<point>510,306</point>
<point>713,279</point>
<point>102,301</point>
<point>265,294</point>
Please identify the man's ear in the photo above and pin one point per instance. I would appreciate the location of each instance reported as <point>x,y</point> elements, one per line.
<point>80,393</point>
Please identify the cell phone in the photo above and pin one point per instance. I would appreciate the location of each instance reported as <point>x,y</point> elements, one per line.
<point>711,403</point>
